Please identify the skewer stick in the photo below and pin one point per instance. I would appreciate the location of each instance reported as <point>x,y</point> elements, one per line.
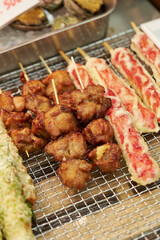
<point>49,71</point>
<point>79,78</point>
<point>55,91</point>
<point>21,65</point>
<point>136,29</point>
<point>27,153</point>
<point>82,53</point>
<point>109,48</point>
<point>98,78</point>
<point>66,58</point>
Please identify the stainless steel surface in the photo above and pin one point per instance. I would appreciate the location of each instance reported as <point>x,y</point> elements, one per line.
<point>111,206</point>
<point>66,39</point>
<point>139,11</point>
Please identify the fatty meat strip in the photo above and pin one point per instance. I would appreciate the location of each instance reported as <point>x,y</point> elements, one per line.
<point>141,165</point>
<point>15,214</point>
<point>144,118</point>
<point>138,78</point>
<point>147,51</point>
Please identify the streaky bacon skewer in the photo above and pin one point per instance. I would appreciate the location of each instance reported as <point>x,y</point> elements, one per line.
<point>141,165</point>
<point>144,118</point>
<point>137,76</point>
<point>147,51</point>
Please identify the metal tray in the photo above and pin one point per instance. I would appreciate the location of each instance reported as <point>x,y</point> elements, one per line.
<point>111,206</point>
<point>85,32</point>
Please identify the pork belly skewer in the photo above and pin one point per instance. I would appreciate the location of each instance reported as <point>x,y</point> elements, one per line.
<point>137,76</point>
<point>141,165</point>
<point>147,51</point>
<point>144,118</point>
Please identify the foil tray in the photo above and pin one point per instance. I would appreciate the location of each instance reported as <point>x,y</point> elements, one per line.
<point>111,206</point>
<point>82,33</point>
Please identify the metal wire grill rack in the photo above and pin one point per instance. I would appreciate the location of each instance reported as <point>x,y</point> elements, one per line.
<point>111,206</point>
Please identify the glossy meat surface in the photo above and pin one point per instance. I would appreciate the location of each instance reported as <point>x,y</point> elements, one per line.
<point>6,101</point>
<point>19,103</point>
<point>88,104</point>
<point>72,145</point>
<point>15,120</point>
<point>75,173</point>
<point>33,87</point>
<point>37,103</point>
<point>38,127</point>
<point>62,81</point>
<point>106,157</point>
<point>59,120</point>
<point>25,140</point>
<point>98,131</point>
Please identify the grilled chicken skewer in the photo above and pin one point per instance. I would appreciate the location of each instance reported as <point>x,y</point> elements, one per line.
<point>147,51</point>
<point>141,165</point>
<point>137,76</point>
<point>73,171</point>
<point>144,118</point>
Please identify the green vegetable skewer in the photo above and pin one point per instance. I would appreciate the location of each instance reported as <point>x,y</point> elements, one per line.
<point>15,215</point>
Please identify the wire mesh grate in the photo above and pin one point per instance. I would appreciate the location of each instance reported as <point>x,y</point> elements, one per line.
<point>111,206</point>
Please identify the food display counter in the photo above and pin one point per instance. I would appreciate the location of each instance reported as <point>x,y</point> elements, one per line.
<point>111,206</point>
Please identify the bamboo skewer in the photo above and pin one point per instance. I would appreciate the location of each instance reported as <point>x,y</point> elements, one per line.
<point>65,57</point>
<point>68,60</point>
<point>108,47</point>
<point>49,71</point>
<point>82,52</point>
<point>79,78</point>
<point>97,76</point>
<point>21,66</point>
<point>136,29</point>
<point>26,77</point>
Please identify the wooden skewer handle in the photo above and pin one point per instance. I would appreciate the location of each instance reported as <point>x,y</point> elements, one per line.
<point>82,52</point>
<point>109,48</point>
<point>66,58</point>
<point>136,29</point>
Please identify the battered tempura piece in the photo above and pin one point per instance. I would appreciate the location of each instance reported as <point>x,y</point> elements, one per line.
<point>59,120</point>
<point>37,103</point>
<point>25,140</point>
<point>106,157</point>
<point>38,127</point>
<point>33,87</point>
<point>75,173</point>
<point>72,145</point>
<point>98,131</point>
